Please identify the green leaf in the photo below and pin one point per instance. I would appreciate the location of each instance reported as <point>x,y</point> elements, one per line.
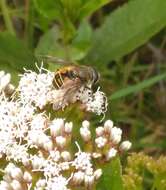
<point>126,29</point>
<point>50,43</point>
<point>15,53</point>
<point>81,43</point>
<point>112,176</point>
<point>138,87</point>
<point>50,9</point>
<point>91,6</point>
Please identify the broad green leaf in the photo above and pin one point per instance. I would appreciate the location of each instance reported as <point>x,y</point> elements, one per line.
<point>15,53</point>
<point>91,6</point>
<point>81,43</point>
<point>127,28</point>
<point>72,8</point>
<point>112,176</point>
<point>138,87</point>
<point>50,9</point>
<point>50,43</point>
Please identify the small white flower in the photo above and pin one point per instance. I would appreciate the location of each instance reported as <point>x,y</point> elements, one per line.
<point>100,142</point>
<point>68,127</point>
<point>61,141</point>
<point>66,155</point>
<point>125,145</point>
<point>78,177</point>
<point>57,183</point>
<point>27,177</point>
<point>5,185</point>
<point>16,173</point>
<point>85,124</point>
<point>56,127</point>
<point>99,131</point>
<point>82,161</point>
<point>111,153</point>
<point>89,180</point>
<point>85,133</point>
<point>97,103</point>
<point>98,173</point>
<point>16,185</point>
<point>5,85</point>
<point>41,183</point>
<point>115,135</point>
<point>108,126</point>
<point>55,155</point>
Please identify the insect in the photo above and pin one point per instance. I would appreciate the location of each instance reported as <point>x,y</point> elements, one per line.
<point>72,81</point>
<point>79,75</point>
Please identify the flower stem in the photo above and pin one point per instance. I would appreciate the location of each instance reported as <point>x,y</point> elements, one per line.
<point>6,16</point>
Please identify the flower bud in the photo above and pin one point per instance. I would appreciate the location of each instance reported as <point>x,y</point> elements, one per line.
<point>96,155</point>
<point>17,174</point>
<point>89,180</point>
<point>48,145</point>
<point>27,177</point>
<point>99,131</point>
<point>98,173</point>
<point>5,186</point>
<point>16,185</point>
<point>100,142</point>
<point>61,141</point>
<point>4,81</point>
<point>125,145</point>
<point>9,168</point>
<point>56,127</point>
<point>115,135</point>
<point>85,124</point>
<point>68,127</point>
<point>85,133</point>
<point>111,153</point>
<point>108,125</point>
<point>66,156</point>
<point>41,183</point>
<point>78,177</point>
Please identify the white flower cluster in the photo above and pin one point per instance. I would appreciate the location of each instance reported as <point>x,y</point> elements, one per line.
<point>36,150</point>
<point>107,140</point>
<point>35,87</point>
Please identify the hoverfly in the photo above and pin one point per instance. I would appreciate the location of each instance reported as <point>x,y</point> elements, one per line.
<point>70,80</point>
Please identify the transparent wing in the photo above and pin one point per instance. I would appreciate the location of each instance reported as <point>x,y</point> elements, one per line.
<point>49,58</point>
<point>67,93</point>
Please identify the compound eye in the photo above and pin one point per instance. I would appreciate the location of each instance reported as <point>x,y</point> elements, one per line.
<point>72,74</point>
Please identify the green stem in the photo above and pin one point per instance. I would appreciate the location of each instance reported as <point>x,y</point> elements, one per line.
<point>29,29</point>
<point>6,16</point>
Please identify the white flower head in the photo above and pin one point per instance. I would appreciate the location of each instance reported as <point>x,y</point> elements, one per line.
<point>57,183</point>
<point>94,102</point>
<point>82,160</point>
<point>34,87</point>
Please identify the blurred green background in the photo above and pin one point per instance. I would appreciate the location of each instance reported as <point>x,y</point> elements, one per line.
<point>125,40</point>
